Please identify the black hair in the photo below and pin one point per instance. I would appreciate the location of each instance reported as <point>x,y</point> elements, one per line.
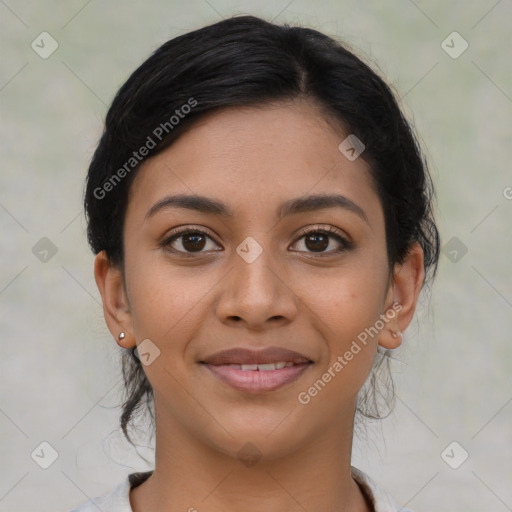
<point>244,61</point>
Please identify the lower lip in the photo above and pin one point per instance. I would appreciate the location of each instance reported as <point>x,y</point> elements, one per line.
<point>257,381</point>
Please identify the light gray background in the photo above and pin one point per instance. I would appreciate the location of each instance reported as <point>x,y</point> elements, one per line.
<point>59,367</point>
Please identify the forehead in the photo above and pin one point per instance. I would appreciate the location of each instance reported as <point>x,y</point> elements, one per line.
<point>257,157</point>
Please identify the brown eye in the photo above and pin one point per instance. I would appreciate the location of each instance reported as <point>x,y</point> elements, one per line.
<point>194,242</point>
<point>318,240</point>
<point>188,241</point>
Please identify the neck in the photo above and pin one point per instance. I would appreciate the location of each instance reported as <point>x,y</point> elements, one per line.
<point>192,476</point>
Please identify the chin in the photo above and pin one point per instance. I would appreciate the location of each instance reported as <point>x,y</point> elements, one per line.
<point>268,435</point>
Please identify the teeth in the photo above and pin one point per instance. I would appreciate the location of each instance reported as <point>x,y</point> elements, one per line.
<point>266,367</point>
<point>262,367</point>
<point>246,367</point>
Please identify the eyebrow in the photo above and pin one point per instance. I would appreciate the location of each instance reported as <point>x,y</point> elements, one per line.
<point>208,205</point>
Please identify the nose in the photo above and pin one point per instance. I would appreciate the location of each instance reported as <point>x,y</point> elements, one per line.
<point>256,295</point>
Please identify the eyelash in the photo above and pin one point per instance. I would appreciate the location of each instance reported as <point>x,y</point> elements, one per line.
<point>331,232</point>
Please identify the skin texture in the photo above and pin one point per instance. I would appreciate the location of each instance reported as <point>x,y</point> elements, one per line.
<point>253,159</point>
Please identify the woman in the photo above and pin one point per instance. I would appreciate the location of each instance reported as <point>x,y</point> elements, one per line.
<point>261,216</point>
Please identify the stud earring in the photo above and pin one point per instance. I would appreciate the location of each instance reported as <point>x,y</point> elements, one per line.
<point>122,336</point>
<point>396,334</point>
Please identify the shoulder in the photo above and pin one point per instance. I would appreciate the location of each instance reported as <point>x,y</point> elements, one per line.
<point>118,500</point>
<point>380,499</point>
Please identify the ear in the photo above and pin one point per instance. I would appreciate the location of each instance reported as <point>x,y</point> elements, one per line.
<point>109,279</point>
<point>404,289</point>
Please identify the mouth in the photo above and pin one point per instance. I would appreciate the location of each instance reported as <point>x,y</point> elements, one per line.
<point>257,371</point>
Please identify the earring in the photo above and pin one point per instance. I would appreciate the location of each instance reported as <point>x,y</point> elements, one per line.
<point>396,334</point>
<point>122,336</point>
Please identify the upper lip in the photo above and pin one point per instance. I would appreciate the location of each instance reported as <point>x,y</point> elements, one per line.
<point>250,355</point>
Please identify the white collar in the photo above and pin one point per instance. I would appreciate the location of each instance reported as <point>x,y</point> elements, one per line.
<point>119,499</point>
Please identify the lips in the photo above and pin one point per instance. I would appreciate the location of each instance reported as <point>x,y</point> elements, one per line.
<point>249,356</point>
<point>257,370</point>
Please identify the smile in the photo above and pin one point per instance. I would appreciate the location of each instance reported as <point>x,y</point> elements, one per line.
<point>262,367</point>
<point>256,371</point>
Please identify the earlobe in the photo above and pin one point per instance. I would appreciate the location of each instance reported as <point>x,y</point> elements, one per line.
<point>109,279</point>
<point>390,337</point>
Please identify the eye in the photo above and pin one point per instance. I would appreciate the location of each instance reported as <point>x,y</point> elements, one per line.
<point>317,240</point>
<point>188,241</point>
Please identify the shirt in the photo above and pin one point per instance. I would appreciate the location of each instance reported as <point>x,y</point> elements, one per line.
<point>119,499</point>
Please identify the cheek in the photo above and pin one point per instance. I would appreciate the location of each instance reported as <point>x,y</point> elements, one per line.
<point>347,306</point>
<point>167,306</point>
<point>162,305</point>
<point>163,297</point>
<point>153,304</point>
<point>350,348</point>
<point>350,297</point>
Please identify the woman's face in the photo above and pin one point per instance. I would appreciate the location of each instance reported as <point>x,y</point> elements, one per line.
<point>254,281</point>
